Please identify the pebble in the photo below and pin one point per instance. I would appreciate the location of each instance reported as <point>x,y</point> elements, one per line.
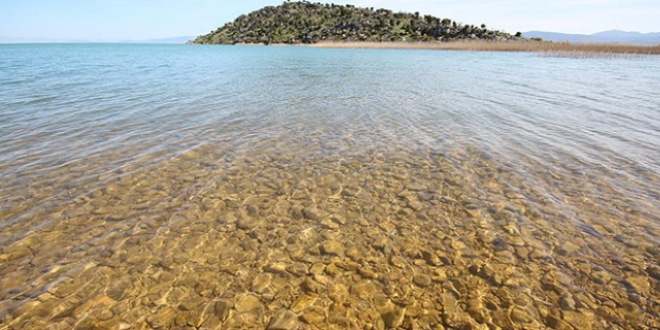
<point>364,289</point>
<point>277,268</point>
<point>578,320</point>
<point>439,275</point>
<point>521,316</point>
<point>654,271</point>
<point>314,317</point>
<point>394,318</point>
<point>162,319</point>
<point>222,308</point>
<point>317,269</point>
<point>568,248</point>
<point>367,272</point>
<point>398,261</point>
<point>283,320</point>
<point>329,224</point>
<point>248,303</point>
<point>332,270</point>
<point>309,285</point>
<point>246,223</point>
<point>422,280</point>
<point>303,302</point>
<point>310,213</point>
<point>601,277</point>
<point>477,310</point>
<point>567,303</point>
<point>639,284</point>
<point>338,219</point>
<point>332,248</point>
<point>297,269</point>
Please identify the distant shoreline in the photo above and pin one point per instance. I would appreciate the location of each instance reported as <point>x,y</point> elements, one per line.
<point>511,46</point>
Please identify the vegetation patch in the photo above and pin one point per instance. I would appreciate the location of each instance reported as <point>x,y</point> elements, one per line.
<point>308,23</point>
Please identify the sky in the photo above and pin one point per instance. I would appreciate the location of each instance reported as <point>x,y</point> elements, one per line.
<point>116,20</point>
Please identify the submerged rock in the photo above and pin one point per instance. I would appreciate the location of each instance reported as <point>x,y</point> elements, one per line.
<point>283,320</point>
<point>422,280</point>
<point>332,248</point>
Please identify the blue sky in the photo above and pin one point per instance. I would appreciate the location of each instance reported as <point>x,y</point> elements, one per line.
<point>111,20</point>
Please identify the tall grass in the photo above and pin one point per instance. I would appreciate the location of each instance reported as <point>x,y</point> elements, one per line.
<point>506,46</point>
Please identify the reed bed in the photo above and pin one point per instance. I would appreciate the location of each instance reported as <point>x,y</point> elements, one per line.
<point>506,46</point>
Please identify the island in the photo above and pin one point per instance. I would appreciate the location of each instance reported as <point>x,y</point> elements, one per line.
<point>310,23</point>
<point>348,26</point>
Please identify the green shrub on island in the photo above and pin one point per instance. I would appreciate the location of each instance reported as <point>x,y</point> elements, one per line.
<point>306,22</point>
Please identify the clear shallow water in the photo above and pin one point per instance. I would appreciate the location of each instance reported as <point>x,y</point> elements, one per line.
<point>220,187</point>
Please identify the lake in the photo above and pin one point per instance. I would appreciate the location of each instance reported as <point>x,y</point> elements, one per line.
<point>217,187</point>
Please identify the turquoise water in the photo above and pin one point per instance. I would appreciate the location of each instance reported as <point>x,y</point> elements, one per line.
<point>96,139</point>
<point>99,97</point>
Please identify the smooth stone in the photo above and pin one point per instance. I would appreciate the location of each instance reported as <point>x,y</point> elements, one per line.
<point>422,280</point>
<point>567,303</point>
<point>639,284</point>
<point>162,319</point>
<point>297,269</point>
<point>222,308</point>
<point>332,248</point>
<point>521,316</point>
<point>477,310</point>
<point>394,318</point>
<point>367,272</point>
<point>556,322</point>
<point>338,292</point>
<point>397,261</point>
<point>119,289</point>
<point>317,269</point>
<point>247,304</point>
<point>540,254</point>
<point>364,289</point>
<point>322,279</point>
<point>303,302</point>
<point>277,268</point>
<point>309,285</point>
<point>246,223</point>
<point>338,219</point>
<point>577,320</point>
<point>261,282</point>
<point>601,277</point>
<point>628,241</point>
<point>97,303</point>
<point>654,271</point>
<point>380,242</point>
<point>310,213</point>
<point>431,258</point>
<point>332,270</point>
<point>329,224</point>
<point>283,319</point>
<point>439,275</point>
<point>314,317</point>
<point>386,226</point>
<point>568,248</point>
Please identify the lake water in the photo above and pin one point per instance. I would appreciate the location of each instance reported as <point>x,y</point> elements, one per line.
<point>215,187</point>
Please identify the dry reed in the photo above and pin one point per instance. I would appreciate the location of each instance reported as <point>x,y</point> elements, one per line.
<point>510,46</point>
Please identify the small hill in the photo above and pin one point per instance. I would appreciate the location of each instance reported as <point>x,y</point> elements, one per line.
<point>306,22</point>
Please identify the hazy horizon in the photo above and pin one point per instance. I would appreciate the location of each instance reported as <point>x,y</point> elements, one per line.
<point>122,20</point>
